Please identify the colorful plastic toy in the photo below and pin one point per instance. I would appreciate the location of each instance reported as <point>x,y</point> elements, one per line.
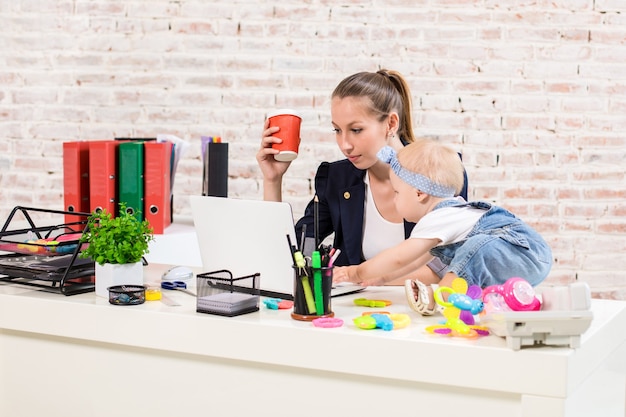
<point>463,302</point>
<point>327,322</point>
<point>366,322</point>
<point>466,299</point>
<point>364,302</point>
<point>400,320</point>
<point>385,321</point>
<point>277,304</point>
<point>516,294</point>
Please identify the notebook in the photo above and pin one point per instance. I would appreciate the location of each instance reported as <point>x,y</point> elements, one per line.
<point>250,236</point>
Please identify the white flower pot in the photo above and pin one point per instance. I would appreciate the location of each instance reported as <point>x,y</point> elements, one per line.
<point>108,275</point>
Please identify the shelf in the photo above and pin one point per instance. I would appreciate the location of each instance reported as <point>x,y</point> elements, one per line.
<point>41,248</point>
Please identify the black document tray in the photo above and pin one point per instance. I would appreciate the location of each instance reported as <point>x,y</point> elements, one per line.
<point>30,259</point>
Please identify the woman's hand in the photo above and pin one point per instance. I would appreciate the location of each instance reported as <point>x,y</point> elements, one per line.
<point>272,169</point>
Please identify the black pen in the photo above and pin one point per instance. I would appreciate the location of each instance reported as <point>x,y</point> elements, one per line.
<point>292,248</point>
<point>302,238</point>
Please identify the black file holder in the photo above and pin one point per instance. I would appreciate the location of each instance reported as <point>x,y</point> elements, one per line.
<point>56,268</point>
<point>218,292</point>
<point>215,170</point>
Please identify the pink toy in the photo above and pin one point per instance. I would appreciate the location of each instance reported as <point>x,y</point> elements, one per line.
<point>515,294</point>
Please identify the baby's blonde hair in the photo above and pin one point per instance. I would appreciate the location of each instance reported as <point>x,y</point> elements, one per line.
<point>434,160</point>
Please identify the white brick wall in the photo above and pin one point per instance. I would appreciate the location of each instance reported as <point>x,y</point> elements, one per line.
<point>534,96</point>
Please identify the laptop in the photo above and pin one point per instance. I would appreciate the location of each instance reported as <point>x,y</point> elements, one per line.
<point>250,236</point>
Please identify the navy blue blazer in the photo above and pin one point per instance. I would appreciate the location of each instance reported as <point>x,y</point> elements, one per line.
<point>340,189</point>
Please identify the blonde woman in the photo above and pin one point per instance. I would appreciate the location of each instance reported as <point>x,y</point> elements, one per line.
<point>369,110</point>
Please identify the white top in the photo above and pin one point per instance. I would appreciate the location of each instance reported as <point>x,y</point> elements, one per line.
<point>378,233</point>
<point>448,224</point>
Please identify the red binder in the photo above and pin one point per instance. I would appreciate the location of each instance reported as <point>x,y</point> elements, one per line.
<point>103,176</point>
<point>76,179</point>
<point>157,188</point>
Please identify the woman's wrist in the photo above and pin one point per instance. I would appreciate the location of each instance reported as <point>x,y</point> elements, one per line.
<point>272,190</point>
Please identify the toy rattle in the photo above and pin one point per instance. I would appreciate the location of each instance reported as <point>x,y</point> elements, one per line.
<point>466,299</point>
<point>459,310</point>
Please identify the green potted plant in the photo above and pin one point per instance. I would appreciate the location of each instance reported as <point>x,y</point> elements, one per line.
<point>116,245</point>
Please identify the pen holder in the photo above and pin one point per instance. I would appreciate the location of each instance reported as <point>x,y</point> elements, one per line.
<point>311,293</point>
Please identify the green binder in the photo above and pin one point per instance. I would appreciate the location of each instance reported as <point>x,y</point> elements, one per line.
<point>130,177</point>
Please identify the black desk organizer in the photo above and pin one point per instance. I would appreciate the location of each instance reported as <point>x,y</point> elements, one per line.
<point>219,293</point>
<point>51,268</point>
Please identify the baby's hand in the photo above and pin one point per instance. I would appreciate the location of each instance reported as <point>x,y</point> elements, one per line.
<point>344,274</point>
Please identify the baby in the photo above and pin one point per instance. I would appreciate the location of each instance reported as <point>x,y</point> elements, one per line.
<point>479,242</point>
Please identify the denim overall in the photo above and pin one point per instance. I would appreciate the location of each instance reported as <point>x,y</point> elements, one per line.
<point>500,246</point>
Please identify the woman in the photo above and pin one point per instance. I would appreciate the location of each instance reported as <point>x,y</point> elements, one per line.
<point>369,110</point>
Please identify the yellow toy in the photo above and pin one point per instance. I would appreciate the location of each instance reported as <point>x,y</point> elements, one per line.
<point>463,302</point>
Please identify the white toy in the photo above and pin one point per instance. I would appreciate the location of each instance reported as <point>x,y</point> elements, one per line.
<point>563,317</point>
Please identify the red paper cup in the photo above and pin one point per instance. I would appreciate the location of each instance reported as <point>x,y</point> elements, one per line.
<point>289,122</point>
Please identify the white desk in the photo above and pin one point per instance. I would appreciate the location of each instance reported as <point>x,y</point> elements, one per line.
<point>80,356</point>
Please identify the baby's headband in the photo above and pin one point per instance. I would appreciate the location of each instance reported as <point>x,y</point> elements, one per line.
<point>415,180</point>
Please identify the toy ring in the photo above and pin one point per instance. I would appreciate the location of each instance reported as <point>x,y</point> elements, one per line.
<point>327,322</point>
<point>400,320</point>
<point>439,297</point>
